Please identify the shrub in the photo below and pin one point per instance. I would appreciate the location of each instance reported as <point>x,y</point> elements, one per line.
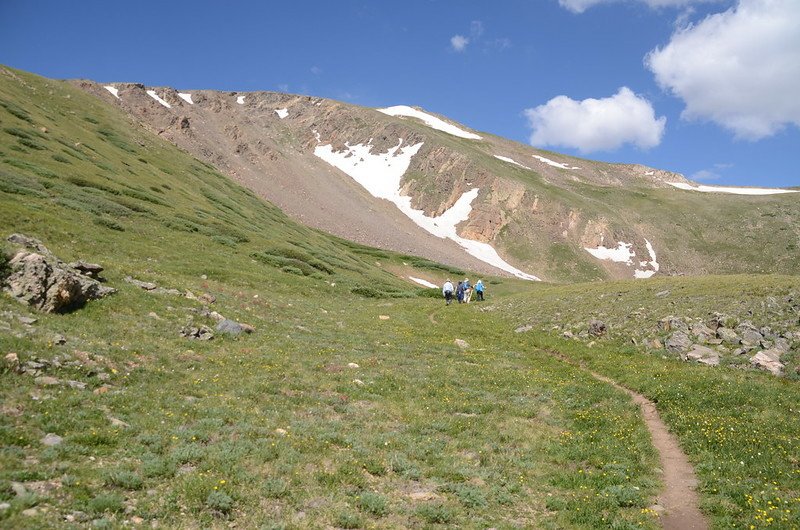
<point>435,513</point>
<point>373,503</point>
<point>124,479</point>
<point>61,158</point>
<point>275,488</point>
<point>219,501</point>
<point>368,292</point>
<point>348,520</point>
<point>105,502</point>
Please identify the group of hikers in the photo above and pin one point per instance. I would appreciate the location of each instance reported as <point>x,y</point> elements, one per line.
<point>463,291</point>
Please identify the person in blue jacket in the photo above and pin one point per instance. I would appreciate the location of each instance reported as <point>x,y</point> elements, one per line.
<point>479,290</point>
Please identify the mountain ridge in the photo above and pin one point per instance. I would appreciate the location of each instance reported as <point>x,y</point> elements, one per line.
<point>543,213</point>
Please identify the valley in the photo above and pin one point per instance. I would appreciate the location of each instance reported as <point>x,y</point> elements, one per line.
<point>358,399</point>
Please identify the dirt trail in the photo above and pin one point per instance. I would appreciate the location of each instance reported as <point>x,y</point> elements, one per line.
<point>678,498</point>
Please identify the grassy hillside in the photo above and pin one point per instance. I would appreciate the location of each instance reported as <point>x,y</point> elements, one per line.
<point>273,429</point>
<point>351,405</point>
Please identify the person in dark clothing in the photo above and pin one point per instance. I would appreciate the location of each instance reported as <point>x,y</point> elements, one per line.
<point>460,292</point>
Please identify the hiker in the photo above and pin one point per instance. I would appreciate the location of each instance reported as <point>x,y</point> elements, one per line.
<point>467,291</point>
<point>447,291</point>
<point>460,292</point>
<point>479,290</point>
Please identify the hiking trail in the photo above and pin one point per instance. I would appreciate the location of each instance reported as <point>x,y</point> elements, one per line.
<point>679,496</point>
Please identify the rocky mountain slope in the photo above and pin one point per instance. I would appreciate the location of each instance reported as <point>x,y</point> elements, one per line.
<point>410,181</point>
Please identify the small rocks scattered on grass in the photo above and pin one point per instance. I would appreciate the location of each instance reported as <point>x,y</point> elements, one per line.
<point>353,366</point>
<point>711,341</point>
<point>461,343</point>
<point>152,287</point>
<point>197,332</point>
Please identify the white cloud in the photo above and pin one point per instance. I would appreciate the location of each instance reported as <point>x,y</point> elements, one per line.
<point>579,6</point>
<point>459,42</point>
<point>316,70</point>
<point>596,124</point>
<point>739,68</point>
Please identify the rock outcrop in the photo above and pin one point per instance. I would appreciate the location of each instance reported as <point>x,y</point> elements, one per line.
<point>38,278</point>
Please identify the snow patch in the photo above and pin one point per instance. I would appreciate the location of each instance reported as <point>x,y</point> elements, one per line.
<point>424,283</point>
<point>186,97</point>
<point>114,91</point>
<point>152,94</point>
<point>380,175</point>
<point>653,263</point>
<point>282,113</point>
<point>623,253</point>
<point>730,189</point>
<point>648,173</point>
<point>510,161</point>
<point>240,100</point>
<point>553,163</point>
<point>429,120</point>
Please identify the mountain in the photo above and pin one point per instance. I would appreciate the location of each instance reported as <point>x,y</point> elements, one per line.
<point>408,180</point>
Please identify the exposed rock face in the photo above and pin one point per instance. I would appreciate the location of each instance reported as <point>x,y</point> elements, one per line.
<point>38,278</point>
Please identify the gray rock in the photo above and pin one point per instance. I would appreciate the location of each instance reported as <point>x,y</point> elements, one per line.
<point>46,380</point>
<point>44,282</point>
<point>461,343</point>
<point>728,335</point>
<point>59,339</point>
<point>704,355</point>
<point>700,328</point>
<point>27,320</point>
<point>92,270</point>
<point>781,345</point>
<point>768,360</point>
<point>523,329</point>
<point>673,324</point>
<point>4,506</point>
<point>751,337</point>
<point>147,286</point>
<point>678,342</point>
<point>77,384</point>
<point>51,439</point>
<point>568,334</point>
<point>597,328</point>
<point>662,294</point>
<point>229,327</point>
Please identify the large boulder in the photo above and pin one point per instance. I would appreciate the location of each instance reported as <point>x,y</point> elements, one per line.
<point>678,342</point>
<point>728,335</point>
<point>38,278</point>
<point>704,355</point>
<point>768,360</point>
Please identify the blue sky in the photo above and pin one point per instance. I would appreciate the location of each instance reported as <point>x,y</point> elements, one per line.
<point>707,88</point>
